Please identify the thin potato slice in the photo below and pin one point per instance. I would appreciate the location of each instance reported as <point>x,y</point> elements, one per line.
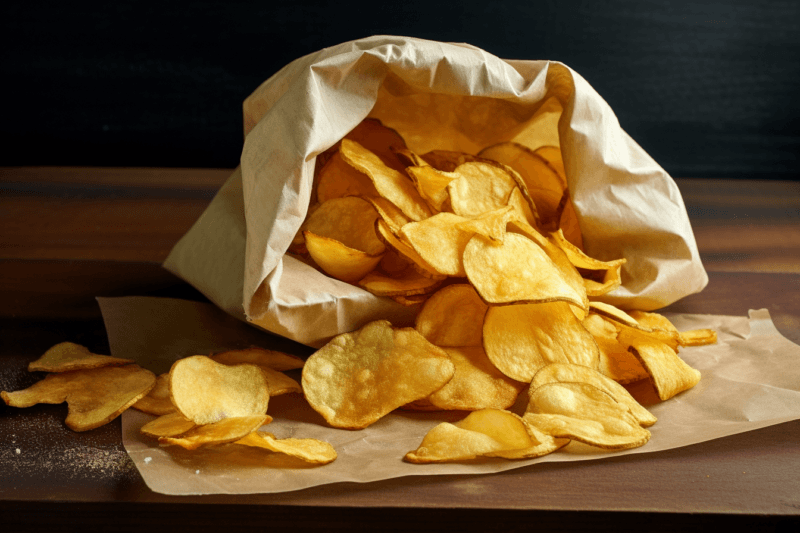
<point>668,373</point>
<point>451,315</point>
<point>516,270</point>
<point>279,383</point>
<point>405,250</point>
<point>521,339</point>
<point>698,337</point>
<point>582,412</point>
<point>524,209</point>
<point>358,377</point>
<point>389,213</point>
<point>616,361</point>
<point>432,184</point>
<point>439,241</point>
<point>309,450</point>
<point>390,183</point>
<point>476,384</point>
<point>407,283</point>
<point>94,396</point>
<point>227,430</point>
<point>448,160</point>
<point>349,220</point>
<point>157,401</point>
<point>564,373</point>
<point>168,425</point>
<point>607,273</point>
<point>484,433</point>
<point>381,140</point>
<point>338,260</point>
<point>259,356</point>
<point>205,391</point>
<point>68,356</point>
<point>338,179</point>
<point>491,224</point>
<point>480,187</point>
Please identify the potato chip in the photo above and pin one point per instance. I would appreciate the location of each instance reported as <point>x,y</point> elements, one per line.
<point>309,450</point>
<point>279,383</point>
<point>668,373</point>
<point>338,260</point>
<point>524,209</point>
<point>227,391</point>
<point>390,183</point>
<point>407,283</point>
<point>698,337</point>
<point>405,250</point>
<point>516,270</point>
<point>521,339</point>
<point>67,356</point>
<point>484,433</point>
<point>389,213</point>
<point>227,430</point>
<point>568,224</point>
<point>379,139</point>
<point>448,160</point>
<point>412,299</point>
<point>157,401</point>
<point>349,220</point>
<point>552,156</point>
<point>616,361</point>
<point>582,412</point>
<point>94,396</point>
<point>491,224</point>
<point>480,187</point>
<point>259,356</point>
<point>451,316</point>
<point>600,277</point>
<point>439,241</point>
<point>476,384</point>
<point>338,179</point>
<point>359,377</point>
<point>432,184</point>
<point>657,322</point>
<point>565,373</point>
<point>168,425</point>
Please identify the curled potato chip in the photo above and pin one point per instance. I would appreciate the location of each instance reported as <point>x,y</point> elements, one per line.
<point>451,315</point>
<point>309,450</point>
<point>67,356</point>
<point>359,377</point>
<point>669,374</point>
<point>521,339</point>
<point>582,412</point>
<point>405,250</point>
<point>616,361</point>
<point>601,277</point>
<point>431,184</point>
<point>480,187</point>
<point>448,160</point>
<point>476,384</point>
<point>349,220</point>
<point>439,241</point>
<point>94,396</point>
<point>407,283</point>
<point>484,433</point>
<point>338,179</point>
<point>227,430</point>
<point>167,425</point>
<point>698,337</point>
<point>559,372</point>
<point>259,356</point>
<point>338,260</point>
<point>205,391</point>
<point>390,183</point>
<point>516,270</point>
<point>389,213</point>
<point>157,401</point>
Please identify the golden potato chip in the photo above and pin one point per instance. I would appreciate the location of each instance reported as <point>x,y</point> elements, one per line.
<point>407,283</point>
<point>569,225</point>
<point>600,277</point>
<point>405,250</point>
<point>157,401</point>
<point>616,361</point>
<point>389,213</point>
<point>582,412</point>
<point>614,313</point>
<point>516,270</point>
<point>349,220</point>
<point>480,187</point>
<point>413,299</point>
<point>279,383</point>
<point>309,450</point>
<point>94,396</point>
<point>338,260</point>
<point>409,158</point>
<point>452,316</point>
<point>168,425</point>
<point>448,160</point>
<point>668,373</point>
<point>439,241</point>
<point>476,384</point>
<point>259,356</point>
<point>229,429</point>
<point>491,224</point>
<point>67,356</point>
<point>552,156</point>
<point>390,183</point>
<point>521,339</point>
<point>698,337</point>
<point>484,433</point>
<point>205,391</point>
<point>379,139</point>
<point>359,377</point>
<point>338,179</point>
<point>431,184</point>
<point>657,322</point>
<point>525,210</point>
<point>564,373</point>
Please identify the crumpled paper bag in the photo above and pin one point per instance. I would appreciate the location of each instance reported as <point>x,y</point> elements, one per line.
<point>437,96</point>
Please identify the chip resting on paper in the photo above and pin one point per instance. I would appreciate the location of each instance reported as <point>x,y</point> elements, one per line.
<point>359,377</point>
<point>311,451</point>
<point>157,401</point>
<point>67,356</point>
<point>94,396</point>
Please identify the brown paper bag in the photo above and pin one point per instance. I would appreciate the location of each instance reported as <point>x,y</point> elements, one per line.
<point>438,96</point>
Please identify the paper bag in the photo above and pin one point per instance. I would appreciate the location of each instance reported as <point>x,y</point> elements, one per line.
<point>437,96</point>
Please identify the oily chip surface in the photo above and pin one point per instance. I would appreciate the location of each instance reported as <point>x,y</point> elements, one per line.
<point>67,356</point>
<point>359,377</point>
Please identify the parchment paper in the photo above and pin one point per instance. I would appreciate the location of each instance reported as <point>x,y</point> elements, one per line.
<point>437,96</point>
<point>750,379</point>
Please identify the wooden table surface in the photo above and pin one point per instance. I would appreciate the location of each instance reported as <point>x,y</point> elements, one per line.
<point>68,235</point>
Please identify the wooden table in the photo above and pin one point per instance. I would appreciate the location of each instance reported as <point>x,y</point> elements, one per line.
<point>71,234</point>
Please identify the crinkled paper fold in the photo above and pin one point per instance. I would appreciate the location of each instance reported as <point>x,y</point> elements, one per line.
<point>437,96</point>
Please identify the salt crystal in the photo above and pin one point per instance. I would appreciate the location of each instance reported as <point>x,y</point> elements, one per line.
<point>19,451</point>
<point>147,460</point>
<point>196,471</point>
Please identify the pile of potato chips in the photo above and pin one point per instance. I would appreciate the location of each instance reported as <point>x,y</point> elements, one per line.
<point>490,249</point>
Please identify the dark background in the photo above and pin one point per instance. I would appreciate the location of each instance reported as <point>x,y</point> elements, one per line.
<point>708,88</point>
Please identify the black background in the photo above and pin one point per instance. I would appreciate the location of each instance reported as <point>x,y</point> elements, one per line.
<point>709,88</point>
